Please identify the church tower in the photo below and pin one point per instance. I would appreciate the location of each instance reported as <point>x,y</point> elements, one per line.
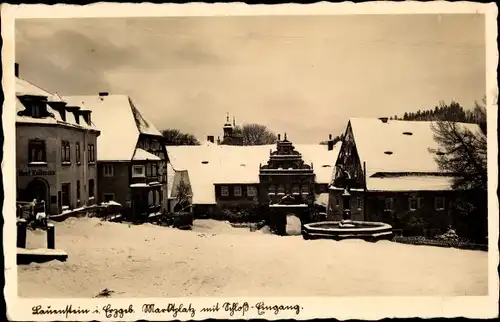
<point>228,128</point>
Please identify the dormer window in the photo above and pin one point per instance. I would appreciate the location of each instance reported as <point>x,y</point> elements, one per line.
<point>86,117</point>
<point>77,117</point>
<point>35,111</point>
<point>62,112</point>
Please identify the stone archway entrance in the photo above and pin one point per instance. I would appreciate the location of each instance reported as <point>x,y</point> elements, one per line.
<point>288,219</point>
<point>37,189</point>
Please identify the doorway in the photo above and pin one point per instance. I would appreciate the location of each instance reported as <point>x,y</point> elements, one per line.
<point>37,189</point>
<point>66,194</point>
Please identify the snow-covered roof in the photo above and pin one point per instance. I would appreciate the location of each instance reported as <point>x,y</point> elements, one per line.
<point>399,147</point>
<point>143,155</point>
<point>25,88</point>
<point>218,164</point>
<point>120,124</point>
<point>410,183</point>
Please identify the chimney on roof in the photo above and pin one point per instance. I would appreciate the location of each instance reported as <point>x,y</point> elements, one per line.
<point>383,119</point>
<point>16,69</point>
<point>210,138</point>
<point>330,142</point>
<point>218,140</point>
<point>101,94</point>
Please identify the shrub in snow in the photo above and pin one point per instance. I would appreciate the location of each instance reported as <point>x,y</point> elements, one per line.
<point>449,235</point>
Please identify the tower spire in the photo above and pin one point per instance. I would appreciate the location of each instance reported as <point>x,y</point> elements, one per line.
<point>227,117</point>
<point>234,121</point>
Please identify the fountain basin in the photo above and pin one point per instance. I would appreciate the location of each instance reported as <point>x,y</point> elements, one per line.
<point>337,230</point>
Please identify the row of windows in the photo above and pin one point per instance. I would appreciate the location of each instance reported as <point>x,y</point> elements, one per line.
<point>150,170</point>
<point>414,203</point>
<point>295,188</point>
<point>238,192</point>
<point>39,109</point>
<point>149,145</point>
<point>37,152</point>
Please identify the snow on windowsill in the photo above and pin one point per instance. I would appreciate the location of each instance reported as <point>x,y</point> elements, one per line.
<point>66,163</point>
<point>38,163</point>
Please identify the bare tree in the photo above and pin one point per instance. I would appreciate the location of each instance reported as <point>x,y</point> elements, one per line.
<point>176,137</point>
<point>463,153</point>
<point>183,193</point>
<point>251,134</point>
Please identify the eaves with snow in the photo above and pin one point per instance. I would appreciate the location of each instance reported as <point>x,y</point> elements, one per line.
<point>120,122</point>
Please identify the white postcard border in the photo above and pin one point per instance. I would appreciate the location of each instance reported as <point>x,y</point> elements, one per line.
<point>20,309</point>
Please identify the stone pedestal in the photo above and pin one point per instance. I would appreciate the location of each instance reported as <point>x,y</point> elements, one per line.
<point>22,227</point>
<point>51,236</point>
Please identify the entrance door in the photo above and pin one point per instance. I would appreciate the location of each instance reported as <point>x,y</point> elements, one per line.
<point>39,190</point>
<point>66,194</point>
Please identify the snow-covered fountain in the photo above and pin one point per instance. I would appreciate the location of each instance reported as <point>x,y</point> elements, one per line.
<point>347,228</point>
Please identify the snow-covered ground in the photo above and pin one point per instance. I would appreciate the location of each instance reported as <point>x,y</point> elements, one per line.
<point>215,259</point>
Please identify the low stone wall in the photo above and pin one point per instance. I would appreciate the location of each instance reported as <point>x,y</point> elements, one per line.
<point>439,243</point>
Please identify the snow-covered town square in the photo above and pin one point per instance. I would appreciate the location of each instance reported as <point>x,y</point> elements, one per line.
<point>265,155</point>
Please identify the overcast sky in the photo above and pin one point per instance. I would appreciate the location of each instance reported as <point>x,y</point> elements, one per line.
<point>301,75</point>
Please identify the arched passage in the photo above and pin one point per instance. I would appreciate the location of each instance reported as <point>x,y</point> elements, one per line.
<point>38,189</point>
<point>293,224</point>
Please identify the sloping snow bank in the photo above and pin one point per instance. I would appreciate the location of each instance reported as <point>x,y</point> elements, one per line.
<point>216,260</point>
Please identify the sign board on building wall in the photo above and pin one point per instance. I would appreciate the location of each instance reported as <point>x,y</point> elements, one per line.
<point>27,173</point>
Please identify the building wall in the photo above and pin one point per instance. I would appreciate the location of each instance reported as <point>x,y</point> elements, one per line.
<point>117,184</point>
<point>376,201</point>
<point>336,205</point>
<point>233,201</point>
<point>54,172</point>
<point>154,144</point>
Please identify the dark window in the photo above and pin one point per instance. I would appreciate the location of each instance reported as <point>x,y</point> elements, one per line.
<point>149,170</point>
<point>66,151</point>
<point>66,194</point>
<point>37,152</point>
<point>91,188</point>
<point>389,203</point>
<point>439,203</point>
<point>414,203</point>
<point>359,203</point>
<point>108,170</point>
<point>78,189</point>
<point>78,153</point>
<point>91,153</point>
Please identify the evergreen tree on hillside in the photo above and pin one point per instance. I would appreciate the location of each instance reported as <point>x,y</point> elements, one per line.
<point>452,112</point>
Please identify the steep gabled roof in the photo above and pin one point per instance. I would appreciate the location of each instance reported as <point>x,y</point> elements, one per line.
<point>400,147</point>
<point>120,123</point>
